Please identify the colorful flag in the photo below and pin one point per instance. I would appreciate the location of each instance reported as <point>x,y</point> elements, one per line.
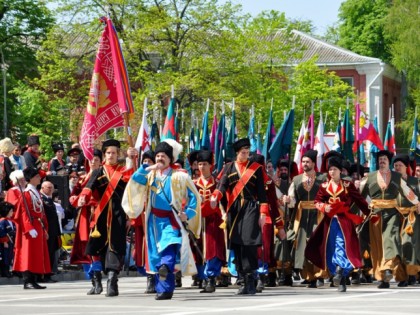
<point>191,146</point>
<point>220,143</point>
<point>109,93</point>
<point>337,138</point>
<point>347,138</point>
<point>415,142</point>
<point>361,155</point>
<point>319,143</point>
<point>143,141</point>
<point>270,134</point>
<point>283,142</point>
<point>259,143</point>
<point>213,133</point>
<point>205,137</point>
<point>373,148</point>
<point>251,132</point>
<point>389,141</point>
<point>169,128</point>
<point>232,137</point>
<point>365,130</point>
<point>154,135</point>
<point>298,150</point>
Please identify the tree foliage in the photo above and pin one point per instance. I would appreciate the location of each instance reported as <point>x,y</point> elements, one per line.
<point>362,28</point>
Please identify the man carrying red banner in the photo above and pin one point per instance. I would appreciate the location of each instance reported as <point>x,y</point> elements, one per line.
<point>108,227</point>
<point>243,184</point>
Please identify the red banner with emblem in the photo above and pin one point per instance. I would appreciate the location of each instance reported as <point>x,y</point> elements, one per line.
<point>109,82</point>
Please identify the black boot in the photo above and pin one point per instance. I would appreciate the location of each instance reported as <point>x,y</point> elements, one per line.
<point>342,287</point>
<point>29,281</point>
<point>150,284</point>
<point>355,278</point>
<point>96,283</point>
<point>112,284</point>
<point>250,283</point>
<point>260,283</point>
<point>312,284</point>
<point>164,296</point>
<point>178,279</point>
<point>338,276</point>
<point>243,289</point>
<point>271,280</point>
<point>210,286</point>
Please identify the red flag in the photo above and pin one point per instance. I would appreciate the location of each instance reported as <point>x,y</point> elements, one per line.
<point>109,96</point>
<point>365,130</point>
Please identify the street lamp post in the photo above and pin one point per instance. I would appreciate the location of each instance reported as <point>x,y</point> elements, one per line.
<point>4,69</point>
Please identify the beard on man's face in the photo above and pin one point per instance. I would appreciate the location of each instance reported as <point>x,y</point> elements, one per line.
<point>283,176</point>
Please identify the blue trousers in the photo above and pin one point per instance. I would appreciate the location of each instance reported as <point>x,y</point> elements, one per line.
<point>168,258</point>
<point>213,267</point>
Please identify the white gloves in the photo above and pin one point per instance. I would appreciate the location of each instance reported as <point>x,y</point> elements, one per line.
<point>33,233</point>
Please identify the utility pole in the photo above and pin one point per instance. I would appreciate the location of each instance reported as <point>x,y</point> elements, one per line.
<point>4,69</point>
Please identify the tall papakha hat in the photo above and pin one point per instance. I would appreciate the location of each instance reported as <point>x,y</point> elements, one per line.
<point>30,173</point>
<point>98,153</point>
<point>386,153</point>
<point>110,143</point>
<point>170,147</point>
<point>192,156</point>
<point>205,156</point>
<point>148,155</point>
<point>241,143</point>
<point>334,161</point>
<point>177,148</point>
<point>346,165</point>
<point>57,147</point>
<point>311,154</point>
<point>33,140</point>
<point>403,158</point>
<point>282,163</point>
<point>325,158</point>
<point>353,169</point>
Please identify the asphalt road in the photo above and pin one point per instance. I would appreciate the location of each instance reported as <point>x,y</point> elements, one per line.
<point>69,298</point>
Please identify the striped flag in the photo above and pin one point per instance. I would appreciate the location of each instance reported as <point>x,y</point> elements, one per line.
<point>389,141</point>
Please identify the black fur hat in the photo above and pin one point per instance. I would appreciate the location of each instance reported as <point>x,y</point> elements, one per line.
<point>241,143</point>
<point>205,156</point>
<point>311,154</point>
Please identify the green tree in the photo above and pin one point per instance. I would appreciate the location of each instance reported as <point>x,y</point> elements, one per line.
<point>362,28</point>
<point>23,26</point>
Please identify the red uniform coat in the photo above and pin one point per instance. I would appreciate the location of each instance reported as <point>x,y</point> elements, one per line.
<point>31,254</point>
<point>345,195</point>
<point>213,236</point>
<point>81,225</point>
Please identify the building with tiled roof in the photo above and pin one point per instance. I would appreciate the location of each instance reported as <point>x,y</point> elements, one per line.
<point>378,84</point>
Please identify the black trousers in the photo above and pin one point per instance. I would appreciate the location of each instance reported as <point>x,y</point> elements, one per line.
<point>246,258</point>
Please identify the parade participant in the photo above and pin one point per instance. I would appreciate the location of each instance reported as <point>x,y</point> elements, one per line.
<point>270,170</point>
<point>410,228</point>
<point>92,267</point>
<point>192,160</point>
<point>383,187</point>
<point>108,235</point>
<point>305,218</point>
<point>57,163</point>
<point>161,189</point>
<point>32,154</point>
<point>283,246</point>
<point>31,249</point>
<point>7,238</point>
<point>334,244</point>
<point>266,260</point>
<point>242,183</point>
<point>212,236</point>
<point>138,224</point>
<point>54,231</point>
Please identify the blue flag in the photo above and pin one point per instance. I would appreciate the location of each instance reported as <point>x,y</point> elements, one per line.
<point>415,144</point>
<point>232,137</point>
<point>283,142</point>
<point>205,137</point>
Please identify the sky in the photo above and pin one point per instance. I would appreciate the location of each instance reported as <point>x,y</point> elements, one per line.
<point>322,13</point>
